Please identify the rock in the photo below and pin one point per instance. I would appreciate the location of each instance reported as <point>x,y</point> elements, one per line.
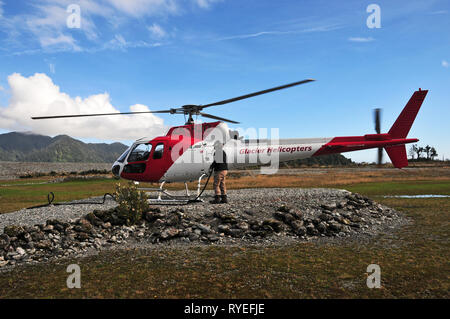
<point>276,225</point>
<point>169,233</point>
<point>243,225</point>
<point>226,217</point>
<point>13,231</point>
<point>204,229</point>
<point>20,251</point>
<point>284,209</point>
<point>153,215</point>
<point>296,225</point>
<point>335,227</point>
<point>107,225</point>
<point>94,220</point>
<point>311,230</point>
<point>322,227</point>
<point>301,231</point>
<point>325,217</point>
<point>235,232</point>
<point>4,241</point>
<point>37,236</point>
<point>329,206</point>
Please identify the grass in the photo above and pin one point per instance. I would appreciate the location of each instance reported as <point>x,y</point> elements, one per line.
<point>414,261</point>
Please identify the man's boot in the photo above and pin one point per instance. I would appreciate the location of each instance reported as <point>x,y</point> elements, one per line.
<point>224,199</point>
<point>216,200</point>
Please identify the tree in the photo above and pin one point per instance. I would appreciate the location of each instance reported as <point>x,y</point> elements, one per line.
<point>412,151</point>
<point>419,151</point>
<point>433,153</point>
<point>427,150</point>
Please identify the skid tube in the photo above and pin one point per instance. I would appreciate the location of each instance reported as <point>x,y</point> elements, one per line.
<point>166,198</point>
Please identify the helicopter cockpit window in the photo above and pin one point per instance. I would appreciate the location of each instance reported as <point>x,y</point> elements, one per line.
<point>158,152</point>
<point>140,153</point>
<point>122,157</point>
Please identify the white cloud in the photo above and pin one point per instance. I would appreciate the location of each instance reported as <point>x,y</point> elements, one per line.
<point>205,3</point>
<point>361,39</point>
<point>445,64</point>
<point>37,95</point>
<point>323,28</point>
<point>157,31</point>
<point>138,8</point>
<point>45,26</point>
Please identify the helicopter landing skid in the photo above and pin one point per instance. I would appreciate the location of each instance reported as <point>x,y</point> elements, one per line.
<point>166,198</point>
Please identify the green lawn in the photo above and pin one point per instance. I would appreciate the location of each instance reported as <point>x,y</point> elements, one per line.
<point>414,263</point>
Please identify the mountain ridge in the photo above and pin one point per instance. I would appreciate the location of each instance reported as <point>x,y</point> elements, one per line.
<point>31,147</point>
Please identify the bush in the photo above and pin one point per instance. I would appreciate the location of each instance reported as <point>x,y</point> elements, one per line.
<point>132,203</point>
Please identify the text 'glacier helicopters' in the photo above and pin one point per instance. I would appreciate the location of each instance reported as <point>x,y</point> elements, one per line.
<point>186,152</point>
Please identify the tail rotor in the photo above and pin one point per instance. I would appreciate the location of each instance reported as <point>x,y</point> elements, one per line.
<point>377,118</point>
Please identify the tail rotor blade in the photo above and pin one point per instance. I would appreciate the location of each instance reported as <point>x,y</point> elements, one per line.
<point>380,156</point>
<point>377,118</point>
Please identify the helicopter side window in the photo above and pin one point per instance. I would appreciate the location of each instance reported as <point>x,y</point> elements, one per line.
<point>140,153</point>
<point>158,152</point>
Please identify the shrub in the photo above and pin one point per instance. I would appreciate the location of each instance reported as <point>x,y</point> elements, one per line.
<point>133,203</point>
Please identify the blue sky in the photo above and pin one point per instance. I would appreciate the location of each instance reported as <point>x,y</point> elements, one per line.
<point>157,54</point>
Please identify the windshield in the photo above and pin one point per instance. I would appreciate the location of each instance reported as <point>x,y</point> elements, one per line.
<point>124,155</point>
<point>140,152</point>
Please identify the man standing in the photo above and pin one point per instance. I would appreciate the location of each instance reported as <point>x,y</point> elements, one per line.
<point>220,172</point>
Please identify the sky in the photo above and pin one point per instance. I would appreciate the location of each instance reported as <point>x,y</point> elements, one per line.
<point>74,57</point>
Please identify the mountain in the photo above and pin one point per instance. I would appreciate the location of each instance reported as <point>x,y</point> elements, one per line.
<point>29,147</point>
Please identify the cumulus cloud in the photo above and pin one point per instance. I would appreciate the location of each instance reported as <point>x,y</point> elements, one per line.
<point>37,95</point>
<point>445,64</point>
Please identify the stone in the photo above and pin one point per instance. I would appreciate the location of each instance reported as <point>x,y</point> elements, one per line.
<point>276,225</point>
<point>329,206</point>
<point>169,233</point>
<point>204,229</point>
<point>4,241</point>
<point>13,231</point>
<point>20,251</point>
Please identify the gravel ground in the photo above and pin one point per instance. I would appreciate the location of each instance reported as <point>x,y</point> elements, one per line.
<point>258,202</point>
<point>263,217</point>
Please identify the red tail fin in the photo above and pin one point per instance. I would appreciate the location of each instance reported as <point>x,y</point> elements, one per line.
<point>403,124</point>
<point>397,154</point>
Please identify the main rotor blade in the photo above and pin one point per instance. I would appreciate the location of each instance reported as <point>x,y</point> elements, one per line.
<point>257,93</point>
<point>98,114</point>
<point>217,118</point>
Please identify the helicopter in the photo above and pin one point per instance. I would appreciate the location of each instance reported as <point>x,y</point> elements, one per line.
<point>185,153</point>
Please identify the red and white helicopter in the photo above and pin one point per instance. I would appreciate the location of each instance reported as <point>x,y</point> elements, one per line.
<point>186,152</point>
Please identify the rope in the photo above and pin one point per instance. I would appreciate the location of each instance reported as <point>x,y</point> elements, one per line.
<point>51,198</point>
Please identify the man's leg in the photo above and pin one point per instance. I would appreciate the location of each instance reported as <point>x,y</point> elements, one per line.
<point>223,187</point>
<point>216,187</point>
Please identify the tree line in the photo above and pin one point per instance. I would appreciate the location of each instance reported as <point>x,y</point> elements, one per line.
<point>422,152</point>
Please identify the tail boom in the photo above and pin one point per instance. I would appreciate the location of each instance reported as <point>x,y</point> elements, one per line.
<point>393,142</point>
